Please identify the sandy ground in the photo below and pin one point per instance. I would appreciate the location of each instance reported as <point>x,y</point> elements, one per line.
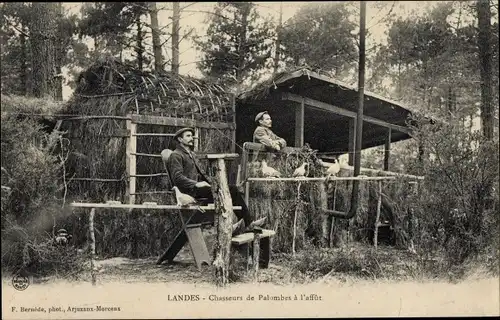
<point>141,289</point>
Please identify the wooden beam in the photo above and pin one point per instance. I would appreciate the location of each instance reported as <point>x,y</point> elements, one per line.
<point>352,141</point>
<point>233,130</point>
<point>179,122</point>
<point>143,206</point>
<point>343,112</point>
<point>387,150</point>
<point>322,179</point>
<point>131,160</point>
<point>299,125</point>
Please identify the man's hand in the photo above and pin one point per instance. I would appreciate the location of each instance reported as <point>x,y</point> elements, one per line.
<point>202,184</point>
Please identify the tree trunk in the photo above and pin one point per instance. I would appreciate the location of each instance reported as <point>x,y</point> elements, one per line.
<point>155,30</point>
<point>278,40</point>
<point>175,37</point>
<point>23,71</point>
<point>245,11</point>
<point>43,34</point>
<point>59,53</point>
<point>485,57</point>
<point>139,50</point>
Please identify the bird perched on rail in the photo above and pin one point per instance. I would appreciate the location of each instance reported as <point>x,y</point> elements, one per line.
<point>184,200</point>
<point>301,171</point>
<point>332,170</point>
<point>62,237</point>
<point>269,172</point>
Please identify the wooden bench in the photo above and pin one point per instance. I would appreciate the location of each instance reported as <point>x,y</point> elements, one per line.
<point>261,245</point>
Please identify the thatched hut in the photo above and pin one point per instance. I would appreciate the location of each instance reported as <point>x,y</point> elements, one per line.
<point>116,106</point>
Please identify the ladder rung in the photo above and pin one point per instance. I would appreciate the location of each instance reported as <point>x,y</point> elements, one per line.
<point>145,154</point>
<point>148,175</point>
<point>153,134</point>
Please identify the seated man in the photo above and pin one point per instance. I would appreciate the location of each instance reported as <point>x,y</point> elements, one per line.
<point>186,173</point>
<point>264,135</point>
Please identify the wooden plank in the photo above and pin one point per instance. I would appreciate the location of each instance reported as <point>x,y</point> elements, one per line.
<point>179,122</point>
<point>299,125</point>
<point>197,245</point>
<point>386,173</point>
<point>146,155</point>
<point>387,150</point>
<point>322,179</point>
<point>154,134</point>
<point>209,207</point>
<point>227,156</point>
<point>148,175</point>
<point>96,117</point>
<point>352,141</point>
<point>343,112</point>
<point>95,179</point>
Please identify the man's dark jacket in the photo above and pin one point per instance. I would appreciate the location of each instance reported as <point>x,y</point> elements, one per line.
<point>185,170</point>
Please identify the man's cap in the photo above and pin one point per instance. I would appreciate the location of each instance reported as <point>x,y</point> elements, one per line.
<point>181,131</point>
<point>260,115</point>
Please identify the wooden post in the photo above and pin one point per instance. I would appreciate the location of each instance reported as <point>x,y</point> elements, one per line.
<point>223,221</point>
<point>299,125</point>
<point>352,141</point>
<point>196,146</point>
<point>297,207</point>
<point>387,150</point>
<point>377,217</point>
<point>256,255</point>
<point>233,130</point>
<point>92,246</point>
<point>131,160</point>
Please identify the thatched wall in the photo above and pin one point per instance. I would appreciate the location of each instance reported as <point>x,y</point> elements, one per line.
<point>280,201</point>
<point>98,148</point>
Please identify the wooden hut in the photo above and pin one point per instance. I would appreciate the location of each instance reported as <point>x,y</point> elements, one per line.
<point>317,110</point>
<point>117,123</point>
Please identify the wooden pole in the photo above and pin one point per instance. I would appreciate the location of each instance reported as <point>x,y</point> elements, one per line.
<point>387,150</point>
<point>377,217</point>
<point>256,255</point>
<point>223,221</point>
<point>297,207</point>
<point>299,125</point>
<point>92,247</point>
<point>352,141</point>
<point>197,141</point>
<point>131,160</point>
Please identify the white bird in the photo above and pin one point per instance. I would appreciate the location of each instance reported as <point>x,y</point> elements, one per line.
<point>334,168</point>
<point>184,200</point>
<point>267,171</point>
<point>300,171</point>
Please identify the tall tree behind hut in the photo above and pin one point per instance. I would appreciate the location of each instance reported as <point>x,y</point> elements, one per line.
<point>43,33</point>
<point>320,36</point>
<point>238,43</point>
<point>485,55</point>
<point>155,31</point>
<point>15,51</point>
<point>175,37</point>
<point>277,48</point>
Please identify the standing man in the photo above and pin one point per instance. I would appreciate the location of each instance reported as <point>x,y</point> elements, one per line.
<point>186,173</point>
<point>264,135</point>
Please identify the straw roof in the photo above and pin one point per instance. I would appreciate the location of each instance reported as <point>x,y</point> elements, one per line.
<point>145,92</point>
